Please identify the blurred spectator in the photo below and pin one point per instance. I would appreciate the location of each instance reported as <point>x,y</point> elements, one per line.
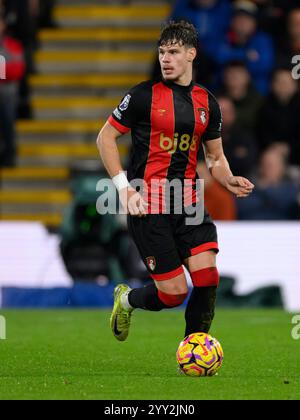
<point>239,144</point>
<point>279,117</point>
<point>210,17</point>
<point>22,19</point>
<point>237,85</point>
<point>245,43</point>
<point>46,14</point>
<point>271,15</point>
<point>219,202</point>
<point>12,51</point>
<point>290,44</point>
<point>275,197</point>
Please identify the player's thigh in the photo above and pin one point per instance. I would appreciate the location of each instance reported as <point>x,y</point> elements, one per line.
<point>200,261</point>
<point>176,286</point>
<point>197,244</point>
<point>154,240</point>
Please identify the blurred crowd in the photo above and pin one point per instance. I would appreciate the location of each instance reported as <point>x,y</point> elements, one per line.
<point>19,23</point>
<point>247,57</point>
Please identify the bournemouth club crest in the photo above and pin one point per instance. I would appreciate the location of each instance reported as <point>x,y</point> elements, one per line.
<point>151,263</point>
<point>202,114</point>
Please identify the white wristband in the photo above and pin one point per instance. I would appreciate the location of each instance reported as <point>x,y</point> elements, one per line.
<point>120,181</point>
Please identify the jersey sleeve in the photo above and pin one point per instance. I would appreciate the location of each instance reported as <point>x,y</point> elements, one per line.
<point>124,116</point>
<point>214,128</point>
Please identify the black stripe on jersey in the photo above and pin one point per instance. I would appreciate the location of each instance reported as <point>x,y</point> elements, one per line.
<point>184,125</point>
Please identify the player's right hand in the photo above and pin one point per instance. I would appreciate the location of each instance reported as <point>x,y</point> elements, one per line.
<point>133,202</point>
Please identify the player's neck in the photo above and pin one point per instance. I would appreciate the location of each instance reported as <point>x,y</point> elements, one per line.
<point>181,83</point>
<point>173,84</point>
<point>184,80</point>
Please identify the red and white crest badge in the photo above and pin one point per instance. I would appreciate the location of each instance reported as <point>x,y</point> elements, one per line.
<point>151,262</point>
<point>203,115</point>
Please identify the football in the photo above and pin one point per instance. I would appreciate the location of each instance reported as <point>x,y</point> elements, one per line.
<point>199,354</point>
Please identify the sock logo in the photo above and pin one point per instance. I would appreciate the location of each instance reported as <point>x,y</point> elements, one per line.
<point>151,263</point>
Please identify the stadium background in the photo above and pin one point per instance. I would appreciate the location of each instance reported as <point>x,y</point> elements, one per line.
<point>56,252</point>
<point>80,58</point>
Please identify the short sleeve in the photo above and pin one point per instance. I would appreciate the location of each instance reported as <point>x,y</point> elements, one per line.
<point>214,128</point>
<point>124,116</point>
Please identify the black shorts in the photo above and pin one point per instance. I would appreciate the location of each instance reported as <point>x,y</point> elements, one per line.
<point>164,241</point>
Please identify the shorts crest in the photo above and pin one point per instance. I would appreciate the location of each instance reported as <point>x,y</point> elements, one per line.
<point>151,263</point>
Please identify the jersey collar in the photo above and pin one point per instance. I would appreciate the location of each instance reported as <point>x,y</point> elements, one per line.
<point>179,88</point>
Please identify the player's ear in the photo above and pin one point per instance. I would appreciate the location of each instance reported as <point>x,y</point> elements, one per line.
<point>192,52</point>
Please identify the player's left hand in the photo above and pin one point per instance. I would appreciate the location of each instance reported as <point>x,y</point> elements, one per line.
<point>239,186</point>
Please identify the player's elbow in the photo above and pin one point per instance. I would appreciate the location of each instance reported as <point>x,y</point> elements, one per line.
<point>99,140</point>
<point>216,159</point>
<point>103,139</point>
<point>212,160</point>
<point>107,136</point>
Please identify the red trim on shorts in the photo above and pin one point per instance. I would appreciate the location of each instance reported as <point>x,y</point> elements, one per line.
<point>205,247</point>
<point>168,276</point>
<point>118,126</point>
<point>206,277</point>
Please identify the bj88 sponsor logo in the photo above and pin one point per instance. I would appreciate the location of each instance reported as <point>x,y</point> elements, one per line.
<point>183,143</point>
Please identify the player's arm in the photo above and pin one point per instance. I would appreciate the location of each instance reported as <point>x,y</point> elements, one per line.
<point>130,199</point>
<point>219,167</point>
<point>215,157</point>
<point>108,149</point>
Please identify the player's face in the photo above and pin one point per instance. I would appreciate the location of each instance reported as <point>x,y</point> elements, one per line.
<point>175,60</point>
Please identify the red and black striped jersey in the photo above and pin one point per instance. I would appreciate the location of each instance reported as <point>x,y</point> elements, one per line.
<point>168,122</point>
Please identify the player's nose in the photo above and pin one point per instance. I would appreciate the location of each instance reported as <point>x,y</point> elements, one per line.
<point>166,58</point>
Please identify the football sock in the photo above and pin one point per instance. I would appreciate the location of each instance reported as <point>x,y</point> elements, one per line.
<point>125,302</point>
<point>149,298</point>
<point>200,309</point>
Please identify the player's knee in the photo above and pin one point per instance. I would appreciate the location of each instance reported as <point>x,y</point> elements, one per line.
<point>172,300</point>
<point>206,277</point>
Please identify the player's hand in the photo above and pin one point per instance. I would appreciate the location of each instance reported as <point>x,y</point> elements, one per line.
<point>133,202</point>
<point>239,186</point>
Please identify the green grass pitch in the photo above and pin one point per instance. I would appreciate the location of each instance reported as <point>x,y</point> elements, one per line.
<point>73,355</point>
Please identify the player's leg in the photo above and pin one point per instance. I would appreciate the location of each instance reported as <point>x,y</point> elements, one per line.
<point>154,239</point>
<point>157,248</point>
<point>166,292</point>
<point>200,309</point>
<point>198,245</point>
